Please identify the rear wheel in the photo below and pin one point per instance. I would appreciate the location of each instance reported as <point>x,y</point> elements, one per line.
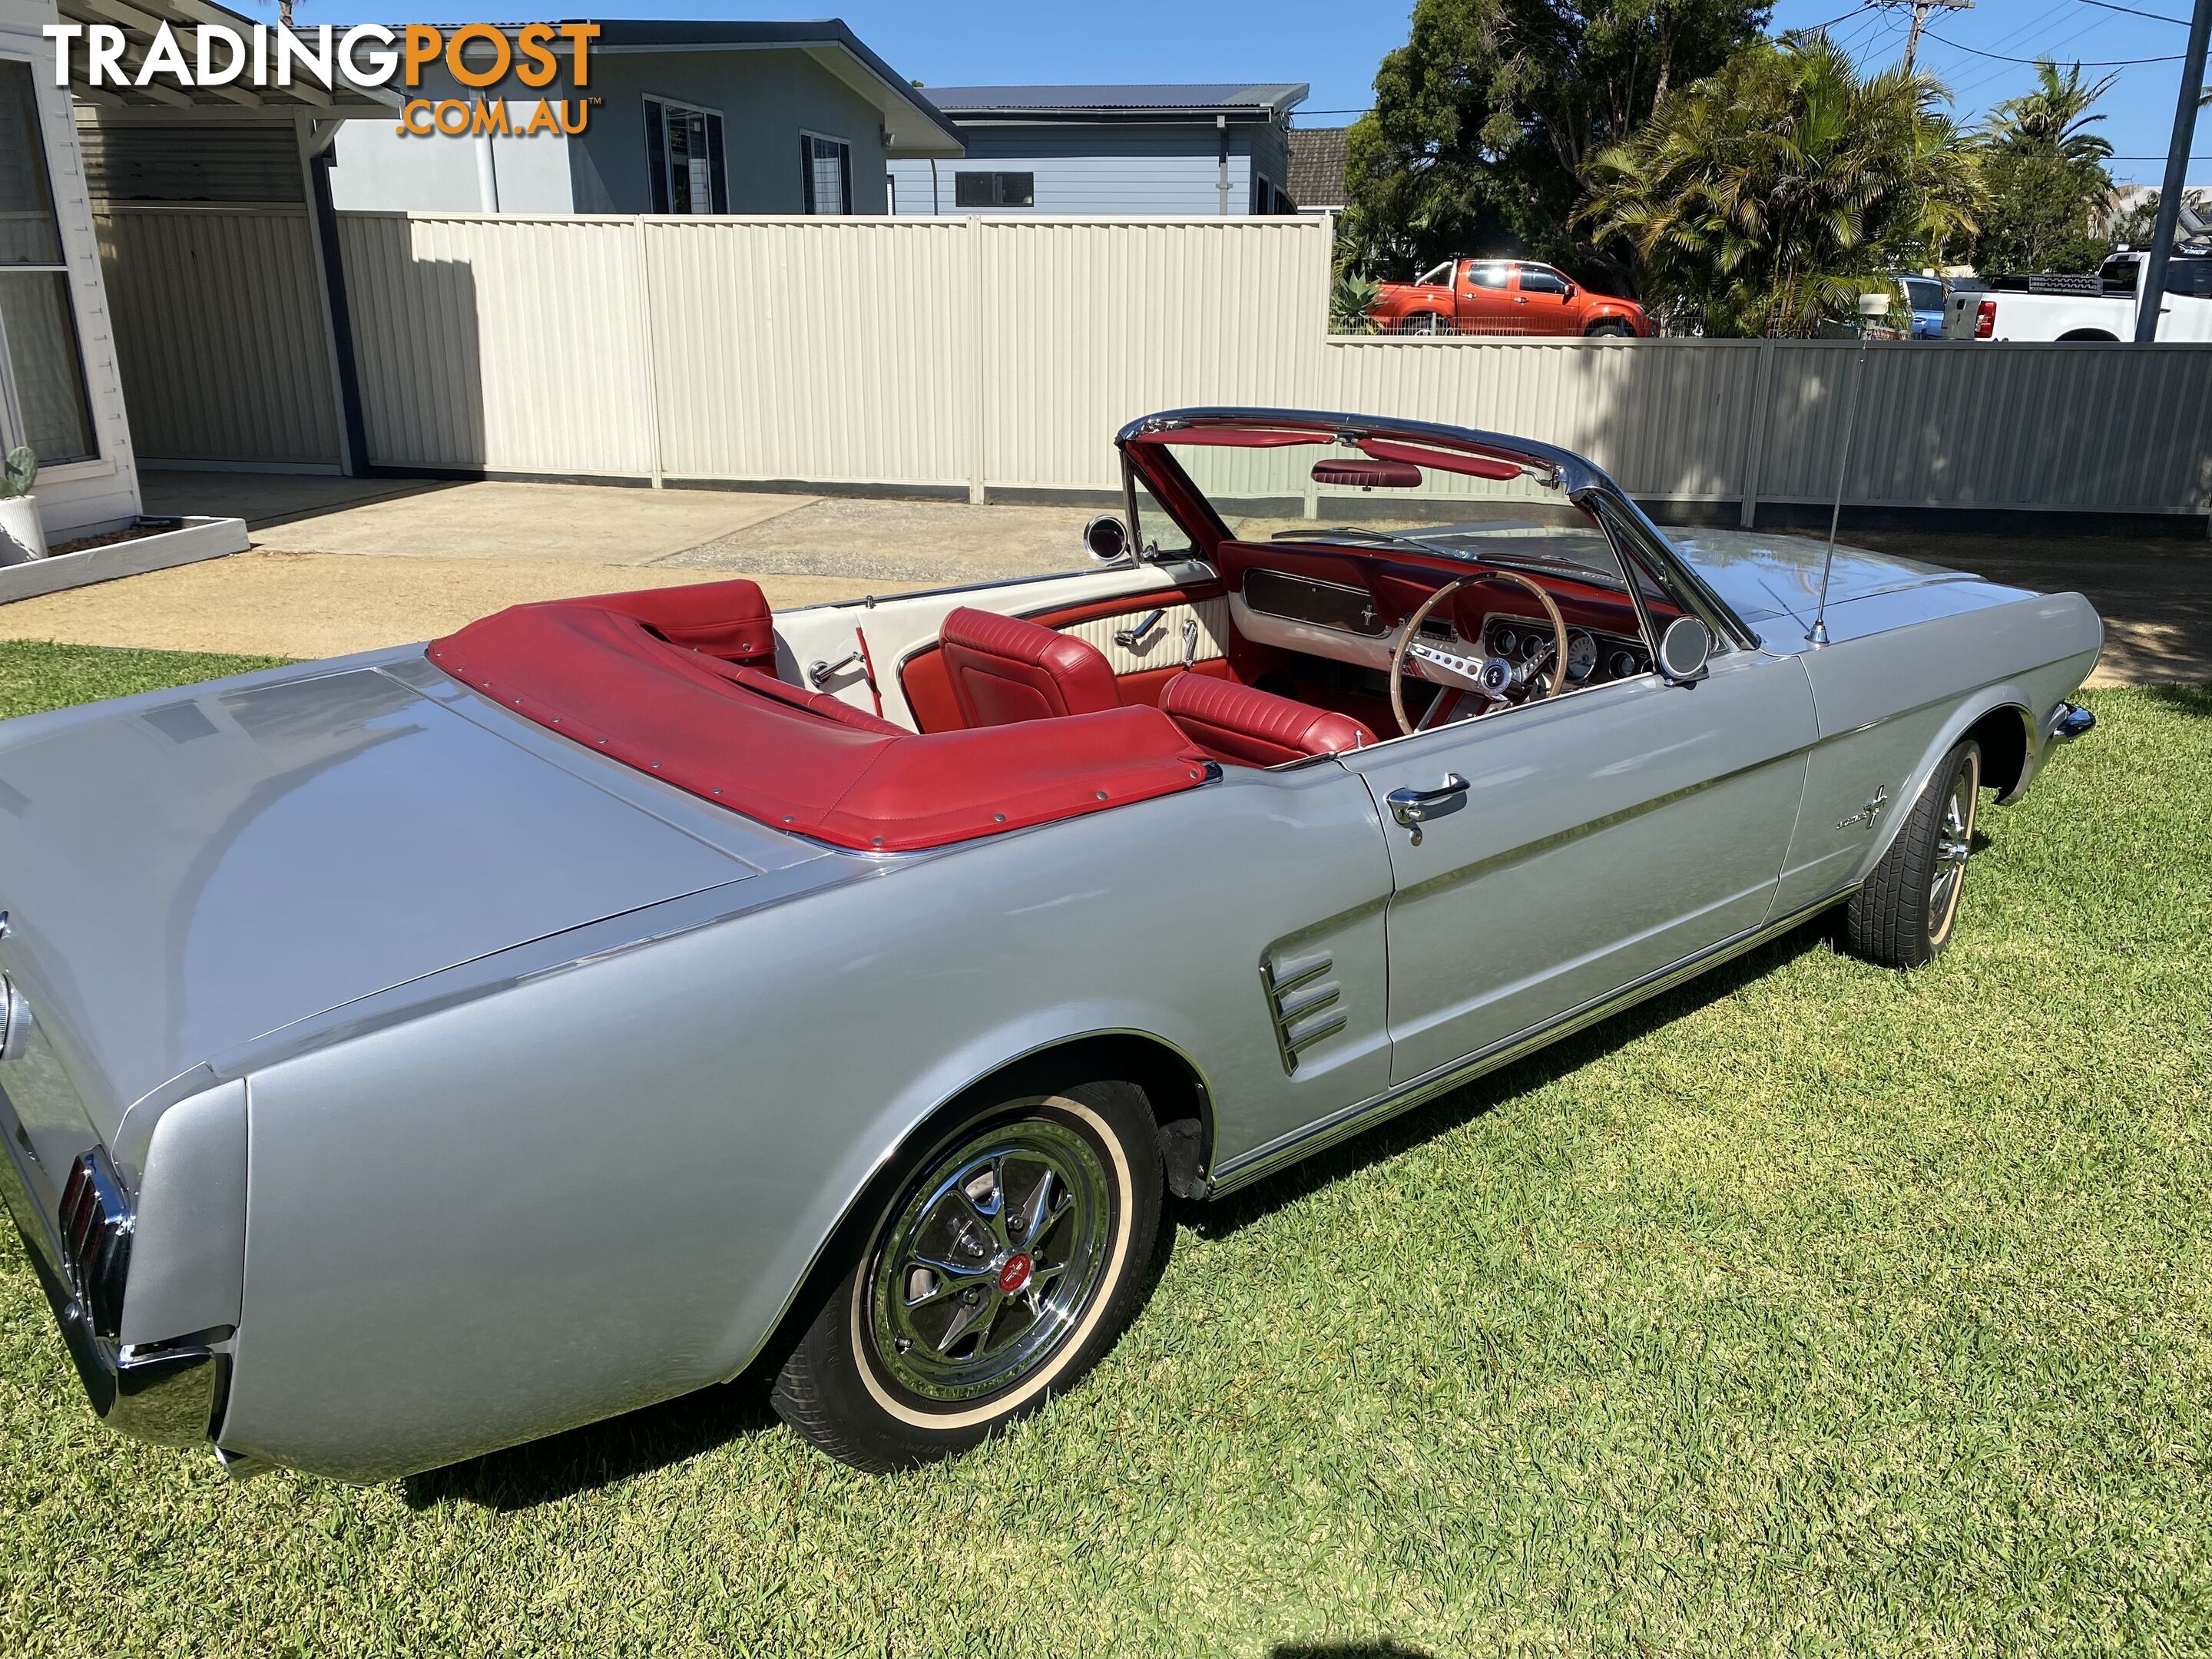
<point>1425,322</point>
<point>1001,1260</point>
<point>1903,914</point>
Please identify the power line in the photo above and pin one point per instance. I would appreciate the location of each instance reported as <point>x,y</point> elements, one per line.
<point>2085,62</point>
<point>2155,16</point>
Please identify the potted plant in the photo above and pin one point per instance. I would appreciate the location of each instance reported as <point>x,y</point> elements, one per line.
<point>21,536</point>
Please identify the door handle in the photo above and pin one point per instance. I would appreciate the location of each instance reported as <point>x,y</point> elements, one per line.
<point>1411,807</point>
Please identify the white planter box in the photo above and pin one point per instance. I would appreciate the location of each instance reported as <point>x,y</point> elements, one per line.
<point>21,536</point>
<point>194,539</point>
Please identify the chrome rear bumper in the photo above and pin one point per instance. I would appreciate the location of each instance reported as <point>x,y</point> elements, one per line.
<point>168,1395</point>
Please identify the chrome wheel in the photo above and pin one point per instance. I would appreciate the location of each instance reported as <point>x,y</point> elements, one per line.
<point>992,1262</point>
<point>1954,837</point>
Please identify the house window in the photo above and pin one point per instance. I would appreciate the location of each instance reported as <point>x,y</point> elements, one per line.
<point>987,190</point>
<point>43,401</point>
<point>683,153</point>
<point>826,171</point>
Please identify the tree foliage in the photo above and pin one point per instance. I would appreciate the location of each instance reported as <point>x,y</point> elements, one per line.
<point>1486,120</point>
<point>2044,173</point>
<point>1767,198</point>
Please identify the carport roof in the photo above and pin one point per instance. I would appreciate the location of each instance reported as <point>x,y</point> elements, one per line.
<point>141,20</point>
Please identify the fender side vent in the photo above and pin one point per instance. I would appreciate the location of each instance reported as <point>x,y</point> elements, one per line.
<point>1303,1001</point>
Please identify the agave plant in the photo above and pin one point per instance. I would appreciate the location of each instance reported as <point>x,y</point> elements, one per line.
<point>18,472</point>
<point>1351,300</point>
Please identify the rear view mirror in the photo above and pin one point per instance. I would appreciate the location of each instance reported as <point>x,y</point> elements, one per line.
<point>1684,649</point>
<point>1107,537</point>
<point>1368,474</point>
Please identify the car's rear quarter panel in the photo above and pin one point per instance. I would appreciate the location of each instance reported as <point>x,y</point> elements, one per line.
<point>599,1188</point>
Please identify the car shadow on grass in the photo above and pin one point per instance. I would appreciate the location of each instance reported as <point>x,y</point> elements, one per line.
<point>601,1454</point>
<point>1380,1647</point>
<point>1222,1216</point>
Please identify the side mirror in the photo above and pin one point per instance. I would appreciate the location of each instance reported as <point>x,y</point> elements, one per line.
<point>1107,537</point>
<point>1684,649</point>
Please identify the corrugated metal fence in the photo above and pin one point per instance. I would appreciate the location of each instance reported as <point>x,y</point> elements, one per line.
<point>997,355</point>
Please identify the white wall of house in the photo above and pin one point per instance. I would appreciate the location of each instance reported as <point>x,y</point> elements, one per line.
<point>99,492</point>
<point>1102,169</point>
<point>380,169</point>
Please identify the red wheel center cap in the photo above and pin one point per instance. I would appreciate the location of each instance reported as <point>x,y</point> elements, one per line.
<point>1014,1275</point>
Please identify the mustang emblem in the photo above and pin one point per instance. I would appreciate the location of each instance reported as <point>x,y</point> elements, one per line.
<point>1870,814</point>
<point>1014,1275</point>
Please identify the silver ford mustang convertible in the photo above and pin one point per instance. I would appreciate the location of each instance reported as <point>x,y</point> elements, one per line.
<point>412,1055</point>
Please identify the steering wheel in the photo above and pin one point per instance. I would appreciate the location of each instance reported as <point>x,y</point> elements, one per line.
<point>1491,678</point>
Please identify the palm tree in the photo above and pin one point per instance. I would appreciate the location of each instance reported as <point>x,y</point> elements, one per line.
<point>2043,176</point>
<point>2056,115</point>
<point>1766,198</point>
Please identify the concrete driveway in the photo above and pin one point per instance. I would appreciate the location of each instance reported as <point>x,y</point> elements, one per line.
<point>341,564</point>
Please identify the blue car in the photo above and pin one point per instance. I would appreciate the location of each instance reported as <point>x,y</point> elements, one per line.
<point>1925,295</point>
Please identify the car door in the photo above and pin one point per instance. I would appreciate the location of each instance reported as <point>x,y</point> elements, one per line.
<point>1485,298</point>
<point>1539,296</point>
<point>1593,840</point>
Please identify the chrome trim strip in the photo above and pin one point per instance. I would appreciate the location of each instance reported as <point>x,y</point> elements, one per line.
<point>1264,1161</point>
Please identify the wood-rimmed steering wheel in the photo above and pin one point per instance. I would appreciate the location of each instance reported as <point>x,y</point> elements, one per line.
<point>1489,679</point>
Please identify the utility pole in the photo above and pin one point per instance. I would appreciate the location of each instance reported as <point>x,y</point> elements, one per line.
<point>1920,8</point>
<point>2153,293</point>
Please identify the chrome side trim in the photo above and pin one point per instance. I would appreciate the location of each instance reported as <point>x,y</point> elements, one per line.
<point>1264,1161</point>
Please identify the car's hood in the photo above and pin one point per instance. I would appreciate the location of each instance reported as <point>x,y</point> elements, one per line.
<point>1764,576</point>
<point>185,872</point>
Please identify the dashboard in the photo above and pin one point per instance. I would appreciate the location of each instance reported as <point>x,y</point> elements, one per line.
<point>1347,623</point>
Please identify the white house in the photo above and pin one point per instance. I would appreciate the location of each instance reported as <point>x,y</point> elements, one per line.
<point>61,390</point>
<point>1108,150</point>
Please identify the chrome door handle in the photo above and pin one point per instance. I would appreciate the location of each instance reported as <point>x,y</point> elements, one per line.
<point>1411,807</point>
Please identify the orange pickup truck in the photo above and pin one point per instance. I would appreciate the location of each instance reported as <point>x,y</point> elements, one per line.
<point>1503,296</point>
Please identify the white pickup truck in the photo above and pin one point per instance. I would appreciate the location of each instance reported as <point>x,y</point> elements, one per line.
<point>2099,307</point>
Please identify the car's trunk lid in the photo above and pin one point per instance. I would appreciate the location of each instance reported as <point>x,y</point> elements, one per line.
<point>184,872</point>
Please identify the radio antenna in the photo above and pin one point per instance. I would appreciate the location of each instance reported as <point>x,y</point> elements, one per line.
<point>1818,633</point>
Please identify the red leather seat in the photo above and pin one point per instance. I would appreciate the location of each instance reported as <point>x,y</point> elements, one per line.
<point>1245,728</point>
<point>1004,670</point>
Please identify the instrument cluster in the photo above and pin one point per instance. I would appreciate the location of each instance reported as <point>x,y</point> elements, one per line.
<point>1593,659</point>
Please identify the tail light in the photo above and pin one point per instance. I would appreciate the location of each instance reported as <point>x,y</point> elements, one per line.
<point>1985,319</point>
<point>96,1223</point>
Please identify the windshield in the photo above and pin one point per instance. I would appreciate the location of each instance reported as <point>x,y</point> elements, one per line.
<point>1270,494</point>
<point>2119,276</point>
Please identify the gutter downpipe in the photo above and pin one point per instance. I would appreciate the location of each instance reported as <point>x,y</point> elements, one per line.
<point>1221,179</point>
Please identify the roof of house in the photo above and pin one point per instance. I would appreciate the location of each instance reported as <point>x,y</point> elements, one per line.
<point>1203,101</point>
<point>1317,159</point>
<point>912,122</point>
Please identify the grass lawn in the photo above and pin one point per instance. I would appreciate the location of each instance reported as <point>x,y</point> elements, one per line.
<point>1811,1308</point>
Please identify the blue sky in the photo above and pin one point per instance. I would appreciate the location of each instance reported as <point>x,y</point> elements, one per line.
<point>1335,45</point>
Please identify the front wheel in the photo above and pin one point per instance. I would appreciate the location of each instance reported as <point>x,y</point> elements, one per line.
<point>1903,913</point>
<point>1612,329</point>
<point>1002,1259</point>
